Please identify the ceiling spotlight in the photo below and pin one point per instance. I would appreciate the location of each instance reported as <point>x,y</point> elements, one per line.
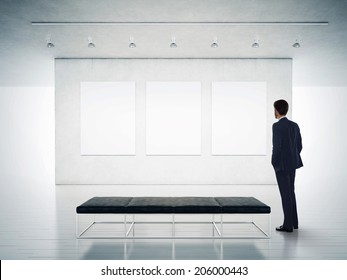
<point>132,45</point>
<point>255,45</point>
<point>90,43</point>
<point>215,43</point>
<point>49,43</point>
<point>296,44</point>
<point>173,43</point>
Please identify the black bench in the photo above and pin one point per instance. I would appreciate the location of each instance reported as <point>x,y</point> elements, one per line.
<point>171,205</point>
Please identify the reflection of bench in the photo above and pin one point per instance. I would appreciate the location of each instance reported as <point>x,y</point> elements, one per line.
<point>218,209</point>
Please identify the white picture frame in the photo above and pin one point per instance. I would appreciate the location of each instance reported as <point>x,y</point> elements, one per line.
<point>239,118</point>
<point>107,118</point>
<point>173,118</point>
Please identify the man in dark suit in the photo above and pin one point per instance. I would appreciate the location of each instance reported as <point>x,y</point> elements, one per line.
<point>286,159</point>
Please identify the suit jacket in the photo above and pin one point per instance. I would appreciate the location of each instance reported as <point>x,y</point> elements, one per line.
<point>287,145</point>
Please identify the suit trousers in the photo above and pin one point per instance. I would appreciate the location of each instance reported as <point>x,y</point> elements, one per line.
<point>286,180</point>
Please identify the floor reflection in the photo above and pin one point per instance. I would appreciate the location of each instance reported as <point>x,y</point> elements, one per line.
<point>172,249</point>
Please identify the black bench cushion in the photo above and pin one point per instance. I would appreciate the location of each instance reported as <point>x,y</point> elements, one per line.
<point>173,205</point>
<point>104,205</point>
<point>167,205</point>
<point>196,205</point>
<point>242,205</point>
<point>150,205</point>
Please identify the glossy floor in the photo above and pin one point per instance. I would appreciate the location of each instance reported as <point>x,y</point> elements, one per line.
<point>38,222</point>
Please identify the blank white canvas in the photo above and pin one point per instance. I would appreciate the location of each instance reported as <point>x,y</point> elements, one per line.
<point>173,118</point>
<point>107,118</point>
<point>239,118</point>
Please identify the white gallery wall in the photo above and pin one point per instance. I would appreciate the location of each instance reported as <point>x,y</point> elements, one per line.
<point>27,147</point>
<point>320,113</point>
<point>27,152</point>
<point>176,105</point>
<point>27,133</point>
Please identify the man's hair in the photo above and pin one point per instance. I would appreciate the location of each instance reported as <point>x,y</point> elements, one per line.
<point>281,106</point>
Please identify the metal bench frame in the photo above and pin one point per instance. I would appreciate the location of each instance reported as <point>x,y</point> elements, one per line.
<point>217,226</point>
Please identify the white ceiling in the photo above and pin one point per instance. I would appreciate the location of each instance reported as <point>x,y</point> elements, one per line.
<point>25,60</point>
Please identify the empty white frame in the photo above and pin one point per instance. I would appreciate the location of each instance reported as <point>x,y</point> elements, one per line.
<point>107,118</point>
<point>173,118</point>
<point>239,118</point>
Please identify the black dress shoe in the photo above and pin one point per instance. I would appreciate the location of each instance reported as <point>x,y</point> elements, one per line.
<point>281,228</point>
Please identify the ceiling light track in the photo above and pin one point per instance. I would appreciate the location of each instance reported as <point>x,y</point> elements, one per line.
<point>277,23</point>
